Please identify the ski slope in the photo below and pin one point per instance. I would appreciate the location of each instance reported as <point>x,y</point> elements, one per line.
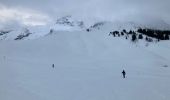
<point>88,66</point>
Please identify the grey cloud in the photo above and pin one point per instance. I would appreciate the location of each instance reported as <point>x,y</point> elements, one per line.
<point>99,9</point>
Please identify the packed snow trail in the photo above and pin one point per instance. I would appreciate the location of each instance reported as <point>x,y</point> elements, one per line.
<point>88,66</point>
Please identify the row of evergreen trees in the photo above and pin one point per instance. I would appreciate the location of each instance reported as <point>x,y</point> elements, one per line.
<point>127,34</point>
<point>149,34</point>
<point>134,36</point>
<point>158,34</point>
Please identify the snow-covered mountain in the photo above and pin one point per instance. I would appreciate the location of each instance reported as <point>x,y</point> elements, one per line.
<point>68,23</point>
<point>62,24</point>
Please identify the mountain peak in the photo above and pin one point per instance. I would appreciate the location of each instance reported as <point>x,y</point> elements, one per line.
<point>69,21</point>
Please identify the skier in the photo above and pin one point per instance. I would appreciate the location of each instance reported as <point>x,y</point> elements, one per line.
<point>53,65</point>
<point>124,73</point>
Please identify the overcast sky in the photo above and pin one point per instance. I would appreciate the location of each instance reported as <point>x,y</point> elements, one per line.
<point>40,12</point>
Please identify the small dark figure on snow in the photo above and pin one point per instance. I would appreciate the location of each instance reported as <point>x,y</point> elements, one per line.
<point>124,73</point>
<point>53,65</point>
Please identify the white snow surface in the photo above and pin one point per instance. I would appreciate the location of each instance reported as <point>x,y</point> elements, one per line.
<point>88,66</point>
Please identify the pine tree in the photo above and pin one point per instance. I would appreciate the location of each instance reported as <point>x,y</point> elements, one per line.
<point>134,37</point>
<point>166,37</point>
<point>140,36</point>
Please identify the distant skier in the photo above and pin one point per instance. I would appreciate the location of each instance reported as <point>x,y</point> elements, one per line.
<point>53,65</point>
<point>124,73</point>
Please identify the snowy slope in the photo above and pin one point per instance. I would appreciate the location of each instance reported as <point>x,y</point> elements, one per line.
<point>88,66</point>
<point>66,23</point>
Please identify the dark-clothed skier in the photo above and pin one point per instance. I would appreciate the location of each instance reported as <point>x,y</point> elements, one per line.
<point>53,65</point>
<point>124,73</point>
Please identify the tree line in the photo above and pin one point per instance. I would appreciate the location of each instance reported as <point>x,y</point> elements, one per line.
<point>147,34</point>
<point>158,34</point>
